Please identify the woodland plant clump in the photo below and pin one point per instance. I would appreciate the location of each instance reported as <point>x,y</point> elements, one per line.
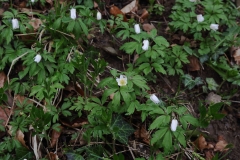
<point>58,81</point>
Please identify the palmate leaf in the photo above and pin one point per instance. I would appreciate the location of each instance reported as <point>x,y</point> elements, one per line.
<point>121,129</point>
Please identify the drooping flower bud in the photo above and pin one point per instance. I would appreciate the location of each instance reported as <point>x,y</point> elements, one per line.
<point>155,99</point>
<point>37,58</point>
<point>15,24</point>
<point>73,14</point>
<point>137,28</point>
<point>174,125</point>
<point>214,27</point>
<point>99,15</point>
<point>200,18</point>
<point>145,45</point>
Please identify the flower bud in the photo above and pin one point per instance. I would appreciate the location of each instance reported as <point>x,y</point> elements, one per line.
<point>37,58</point>
<point>15,24</point>
<point>174,125</point>
<point>73,14</point>
<point>99,16</point>
<point>214,27</point>
<point>200,18</point>
<point>155,99</point>
<point>193,0</point>
<point>145,45</point>
<point>137,28</point>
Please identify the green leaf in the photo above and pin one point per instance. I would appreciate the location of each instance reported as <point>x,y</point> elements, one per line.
<point>121,129</point>
<point>167,141</point>
<point>83,26</point>
<point>190,119</point>
<point>74,156</point>
<point>88,3</point>
<point>212,85</point>
<point>159,68</point>
<point>180,137</point>
<point>116,99</point>
<point>130,47</point>
<point>57,23</point>
<point>105,82</point>
<point>161,41</point>
<point>71,25</point>
<point>159,134</point>
<point>107,93</point>
<point>159,121</point>
<point>23,153</point>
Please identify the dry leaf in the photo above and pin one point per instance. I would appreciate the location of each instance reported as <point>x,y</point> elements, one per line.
<point>115,11</point>
<point>236,56</point>
<point>52,156</point>
<point>148,27</point>
<point>20,137</point>
<point>201,143</point>
<point>21,99</point>
<point>194,64</point>
<point>50,2</point>
<point>36,23</point>
<point>130,7</point>
<point>23,4</point>
<point>35,147</point>
<point>213,98</point>
<point>55,135</point>
<point>221,144</point>
<point>4,114</point>
<point>208,154</point>
<point>3,79</point>
<point>95,5</point>
<point>143,134</point>
<point>77,122</point>
<point>144,14</point>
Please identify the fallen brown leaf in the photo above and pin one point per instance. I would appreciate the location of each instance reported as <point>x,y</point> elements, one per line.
<point>4,113</point>
<point>55,135</point>
<point>20,137</point>
<point>130,7</point>
<point>36,23</point>
<point>52,156</point>
<point>236,56</point>
<point>144,14</point>
<point>3,79</point>
<point>148,27</point>
<point>194,64</point>
<point>95,5</point>
<point>213,98</point>
<point>221,144</point>
<point>201,143</point>
<point>208,154</point>
<point>115,11</point>
<point>142,134</point>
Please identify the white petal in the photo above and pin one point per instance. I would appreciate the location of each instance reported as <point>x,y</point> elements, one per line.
<point>99,16</point>
<point>200,18</point>
<point>193,0</point>
<point>137,28</point>
<point>155,99</point>
<point>32,1</point>
<point>15,24</point>
<point>174,125</point>
<point>73,14</point>
<point>145,45</point>
<point>122,81</point>
<point>214,27</point>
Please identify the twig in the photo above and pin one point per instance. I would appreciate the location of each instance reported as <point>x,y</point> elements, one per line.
<point>13,62</point>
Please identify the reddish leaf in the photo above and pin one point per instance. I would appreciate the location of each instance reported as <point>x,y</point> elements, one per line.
<point>3,79</point>
<point>55,135</point>
<point>115,11</point>
<point>194,64</point>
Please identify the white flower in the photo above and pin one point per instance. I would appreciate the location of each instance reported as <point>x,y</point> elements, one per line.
<point>200,18</point>
<point>122,81</point>
<point>37,58</point>
<point>137,28</point>
<point>214,27</point>
<point>15,24</point>
<point>155,99</point>
<point>32,1</point>
<point>145,45</point>
<point>174,125</point>
<point>193,0</point>
<point>73,14</point>
<point>99,16</point>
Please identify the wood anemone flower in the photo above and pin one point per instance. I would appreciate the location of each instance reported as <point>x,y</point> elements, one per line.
<point>122,81</point>
<point>214,27</point>
<point>155,99</point>
<point>145,45</point>
<point>200,18</point>
<point>137,28</point>
<point>99,15</point>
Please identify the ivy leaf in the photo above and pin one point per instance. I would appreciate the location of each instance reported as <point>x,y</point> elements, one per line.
<point>121,129</point>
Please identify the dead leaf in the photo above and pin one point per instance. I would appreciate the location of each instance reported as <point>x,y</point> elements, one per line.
<point>36,23</point>
<point>20,137</point>
<point>50,2</point>
<point>208,154</point>
<point>4,114</point>
<point>213,98</point>
<point>95,5</point>
<point>221,144</point>
<point>130,7</point>
<point>144,14</point>
<point>148,27</point>
<point>143,134</point>
<point>236,56</point>
<point>52,156</point>
<point>77,122</point>
<point>21,99</point>
<point>3,79</point>
<point>201,143</point>
<point>55,135</point>
<point>115,11</point>
<point>23,4</point>
<point>194,64</point>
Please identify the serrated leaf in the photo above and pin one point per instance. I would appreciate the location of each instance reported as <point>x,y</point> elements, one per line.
<point>122,128</point>
<point>159,121</point>
<point>158,135</point>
